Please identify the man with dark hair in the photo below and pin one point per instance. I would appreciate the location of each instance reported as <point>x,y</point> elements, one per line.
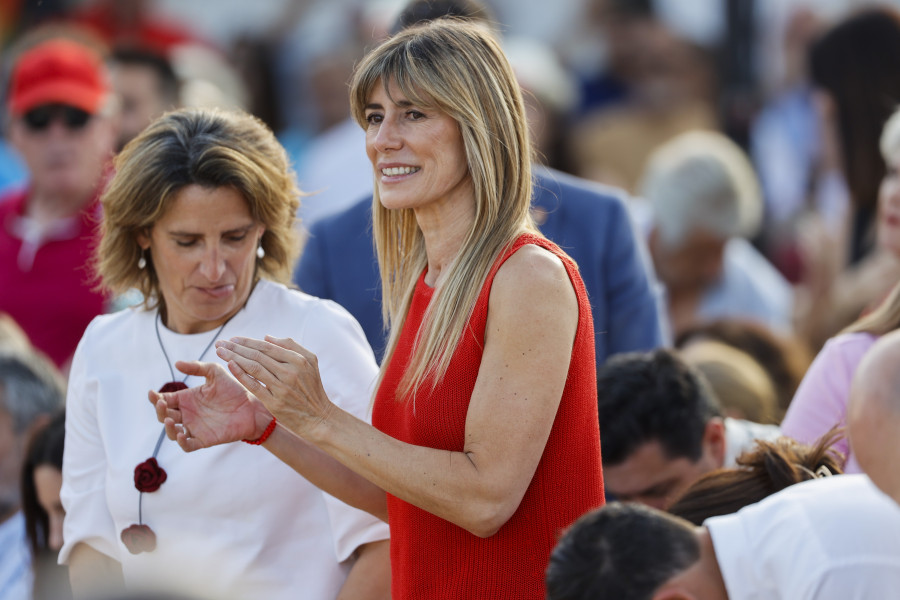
<point>147,87</point>
<point>661,427</point>
<point>586,561</point>
<point>30,391</point>
<point>829,538</point>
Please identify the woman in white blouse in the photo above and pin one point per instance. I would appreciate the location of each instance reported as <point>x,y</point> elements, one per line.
<point>200,218</point>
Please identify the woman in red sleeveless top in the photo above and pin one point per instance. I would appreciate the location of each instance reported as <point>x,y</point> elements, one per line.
<point>484,444</point>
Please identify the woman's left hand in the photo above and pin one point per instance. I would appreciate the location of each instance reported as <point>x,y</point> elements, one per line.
<point>284,376</point>
<point>218,412</point>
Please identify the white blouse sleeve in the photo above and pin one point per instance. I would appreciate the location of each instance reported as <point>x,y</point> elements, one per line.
<point>348,370</point>
<point>83,492</point>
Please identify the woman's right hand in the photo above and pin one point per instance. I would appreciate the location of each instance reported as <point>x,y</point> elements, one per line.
<point>218,412</point>
<point>282,375</point>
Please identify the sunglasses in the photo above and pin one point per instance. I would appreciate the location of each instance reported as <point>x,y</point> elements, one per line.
<point>38,119</point>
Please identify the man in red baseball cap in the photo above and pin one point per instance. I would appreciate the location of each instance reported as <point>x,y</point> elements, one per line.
<point>62,120</point>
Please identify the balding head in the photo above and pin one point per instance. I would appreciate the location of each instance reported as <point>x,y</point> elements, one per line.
<point>873,414</point>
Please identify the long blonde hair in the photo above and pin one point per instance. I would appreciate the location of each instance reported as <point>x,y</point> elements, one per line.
<point>460,69</point>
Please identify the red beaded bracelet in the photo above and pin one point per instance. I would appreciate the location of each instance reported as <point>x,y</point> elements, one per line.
<point>265,434</point>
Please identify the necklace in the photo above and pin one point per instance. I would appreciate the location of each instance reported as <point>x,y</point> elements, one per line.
<point>148,475</point>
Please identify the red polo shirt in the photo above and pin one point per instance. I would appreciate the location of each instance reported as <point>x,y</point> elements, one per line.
<point>46,278</point>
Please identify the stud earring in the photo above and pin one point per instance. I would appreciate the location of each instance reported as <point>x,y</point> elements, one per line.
<point>142,261</point>
<point>260,252</point>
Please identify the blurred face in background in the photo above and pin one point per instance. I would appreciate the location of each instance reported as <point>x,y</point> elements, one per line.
<point>651,476</point>
<point>66,150</point>
<point>694,264</point>
<point>11,457</point>
<point>889,207</point>
<point>142,99</point>
<point>47,483</point>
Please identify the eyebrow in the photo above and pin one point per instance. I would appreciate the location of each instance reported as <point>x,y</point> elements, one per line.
<point>241,229</point>
<point>376,106</point>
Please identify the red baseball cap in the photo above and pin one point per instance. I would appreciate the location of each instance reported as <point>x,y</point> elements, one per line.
<point>58,71</point>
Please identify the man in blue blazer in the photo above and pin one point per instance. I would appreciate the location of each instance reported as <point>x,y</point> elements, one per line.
<point>590,222</point>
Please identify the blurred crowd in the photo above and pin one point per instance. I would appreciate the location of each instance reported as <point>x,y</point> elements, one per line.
<point>749,153</point>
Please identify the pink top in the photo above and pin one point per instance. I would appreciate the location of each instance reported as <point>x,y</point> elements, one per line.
<point>821,400</point>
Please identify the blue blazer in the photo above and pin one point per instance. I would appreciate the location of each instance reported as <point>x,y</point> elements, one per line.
<point>588,221</point>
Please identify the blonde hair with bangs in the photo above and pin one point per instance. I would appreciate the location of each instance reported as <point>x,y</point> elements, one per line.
<point>206,147</point>
<point>458,68</point>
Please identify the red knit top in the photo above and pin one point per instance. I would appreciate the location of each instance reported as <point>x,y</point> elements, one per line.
<point>434,559</point>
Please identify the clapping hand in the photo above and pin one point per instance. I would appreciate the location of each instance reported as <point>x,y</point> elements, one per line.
<point>218,412</point>
<point>282,375</point>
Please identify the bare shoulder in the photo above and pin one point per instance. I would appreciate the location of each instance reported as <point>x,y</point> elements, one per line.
<point>535,274</point>
<point>535,264</point>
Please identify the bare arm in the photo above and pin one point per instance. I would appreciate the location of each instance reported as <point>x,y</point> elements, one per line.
<point>326,473</point>
<point>370,576</point>
<point>92,574</point>
<point>531,327</point>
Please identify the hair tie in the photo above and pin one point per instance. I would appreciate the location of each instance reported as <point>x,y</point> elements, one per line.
<point>823,471</point>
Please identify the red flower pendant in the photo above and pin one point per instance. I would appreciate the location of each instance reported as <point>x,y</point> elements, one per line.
<point>172,386</point>
<point>148,476</point>
<point>139,538</point>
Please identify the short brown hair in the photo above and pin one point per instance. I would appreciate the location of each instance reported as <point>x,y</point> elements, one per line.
<point>206,147</point>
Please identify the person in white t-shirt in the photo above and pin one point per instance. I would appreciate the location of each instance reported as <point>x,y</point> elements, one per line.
<point>200,219</point>
<point>829,538</point>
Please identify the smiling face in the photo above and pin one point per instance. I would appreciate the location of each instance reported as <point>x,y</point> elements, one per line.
<point>417,152</point>
<point>204,254</point>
